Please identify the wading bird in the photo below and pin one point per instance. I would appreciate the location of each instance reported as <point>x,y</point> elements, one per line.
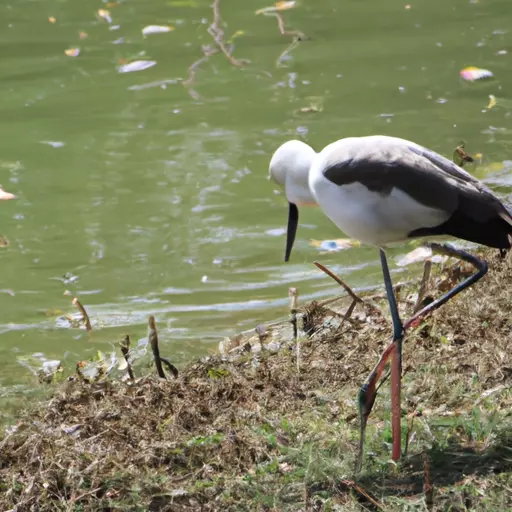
<point>381,190</point>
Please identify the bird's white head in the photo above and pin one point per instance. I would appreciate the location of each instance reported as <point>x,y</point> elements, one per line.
<point>289,168</point>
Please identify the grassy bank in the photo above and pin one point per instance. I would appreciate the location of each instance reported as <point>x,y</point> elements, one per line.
<point>272,425</point>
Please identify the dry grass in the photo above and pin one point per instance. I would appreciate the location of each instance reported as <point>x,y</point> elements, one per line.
<point>261,432</point>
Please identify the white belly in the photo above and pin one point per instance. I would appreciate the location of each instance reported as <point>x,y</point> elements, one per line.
<point>370,217</point>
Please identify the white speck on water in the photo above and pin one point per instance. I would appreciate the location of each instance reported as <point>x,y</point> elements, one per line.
<point>275,232</point>
<point>53,143</point>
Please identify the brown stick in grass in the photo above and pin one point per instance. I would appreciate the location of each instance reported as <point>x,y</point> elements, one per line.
<point>85,316</point>
<point>125,349</point>
<point>153,341</point>
<point>423,286</point>
<point>292,293</point>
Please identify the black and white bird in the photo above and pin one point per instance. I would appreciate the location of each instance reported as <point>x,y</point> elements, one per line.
<point>381,190</point>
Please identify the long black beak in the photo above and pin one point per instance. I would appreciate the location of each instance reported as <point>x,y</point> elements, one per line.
<point>293,222</point>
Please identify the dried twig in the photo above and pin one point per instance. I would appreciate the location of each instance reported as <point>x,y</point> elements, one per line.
<point>125,349</point>
<point>280,25</point>
<point>292,293</point>
<point>85,316</point>
<point>423,286</point>
<point>462,156</point>
<point>428,488</point>
<point>410,424</point>
<point>363,494</point>
<point>171,367</point>
<point>345,286</point>
<point>208,51</point>
<point>295,42</point>
<point>153,341</point>
<point>218,35</point>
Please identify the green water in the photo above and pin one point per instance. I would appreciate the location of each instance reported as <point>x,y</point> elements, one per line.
<point>155,194</point>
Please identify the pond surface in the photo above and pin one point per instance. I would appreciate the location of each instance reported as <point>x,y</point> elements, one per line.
<point>146,192</point>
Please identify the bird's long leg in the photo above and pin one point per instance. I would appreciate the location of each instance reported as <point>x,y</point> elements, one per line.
<point>369,388</point>
<point>448,250</point>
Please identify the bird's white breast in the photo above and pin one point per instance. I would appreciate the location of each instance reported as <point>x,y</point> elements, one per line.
<point>371,217</point>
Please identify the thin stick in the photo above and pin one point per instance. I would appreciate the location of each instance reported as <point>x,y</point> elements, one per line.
<point>218,35</point>
<point>295,42</point>
<point>339,281</point>
<point>280,25</point>
<point>424,285</point>
<point>410,425</point>
<point>153,341</point>
<point>292,293</point>
<point>171,367</point>
<point>85,316</point>
<point>448,250</point>
<point>428,488</point>
<point>353,485</point>
<point>125,349</point>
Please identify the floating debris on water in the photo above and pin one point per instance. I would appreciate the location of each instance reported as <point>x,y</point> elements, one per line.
<point>72,52</point>
<point>136,65</point>
<point>105,15</point>
<point>156,29</point>
<point>338,244</point>
<point>278,6</point>
<point>472,73</point>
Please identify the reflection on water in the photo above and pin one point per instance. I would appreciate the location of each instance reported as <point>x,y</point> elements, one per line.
<point>150,186</point>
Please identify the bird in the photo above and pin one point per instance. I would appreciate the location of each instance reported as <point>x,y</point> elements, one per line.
<point>383,190</point>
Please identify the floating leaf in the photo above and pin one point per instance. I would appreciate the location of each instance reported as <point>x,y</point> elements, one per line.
<point>156,29</point>
<point>104,14</point>
<point>278,6</point>
<point>72,52</point>
<point>473,73</point>
<point>492,101</point>
<point>51,19</point>
<point>136,65</point>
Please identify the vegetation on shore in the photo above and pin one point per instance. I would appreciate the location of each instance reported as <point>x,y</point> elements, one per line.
<point>272,424</point>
